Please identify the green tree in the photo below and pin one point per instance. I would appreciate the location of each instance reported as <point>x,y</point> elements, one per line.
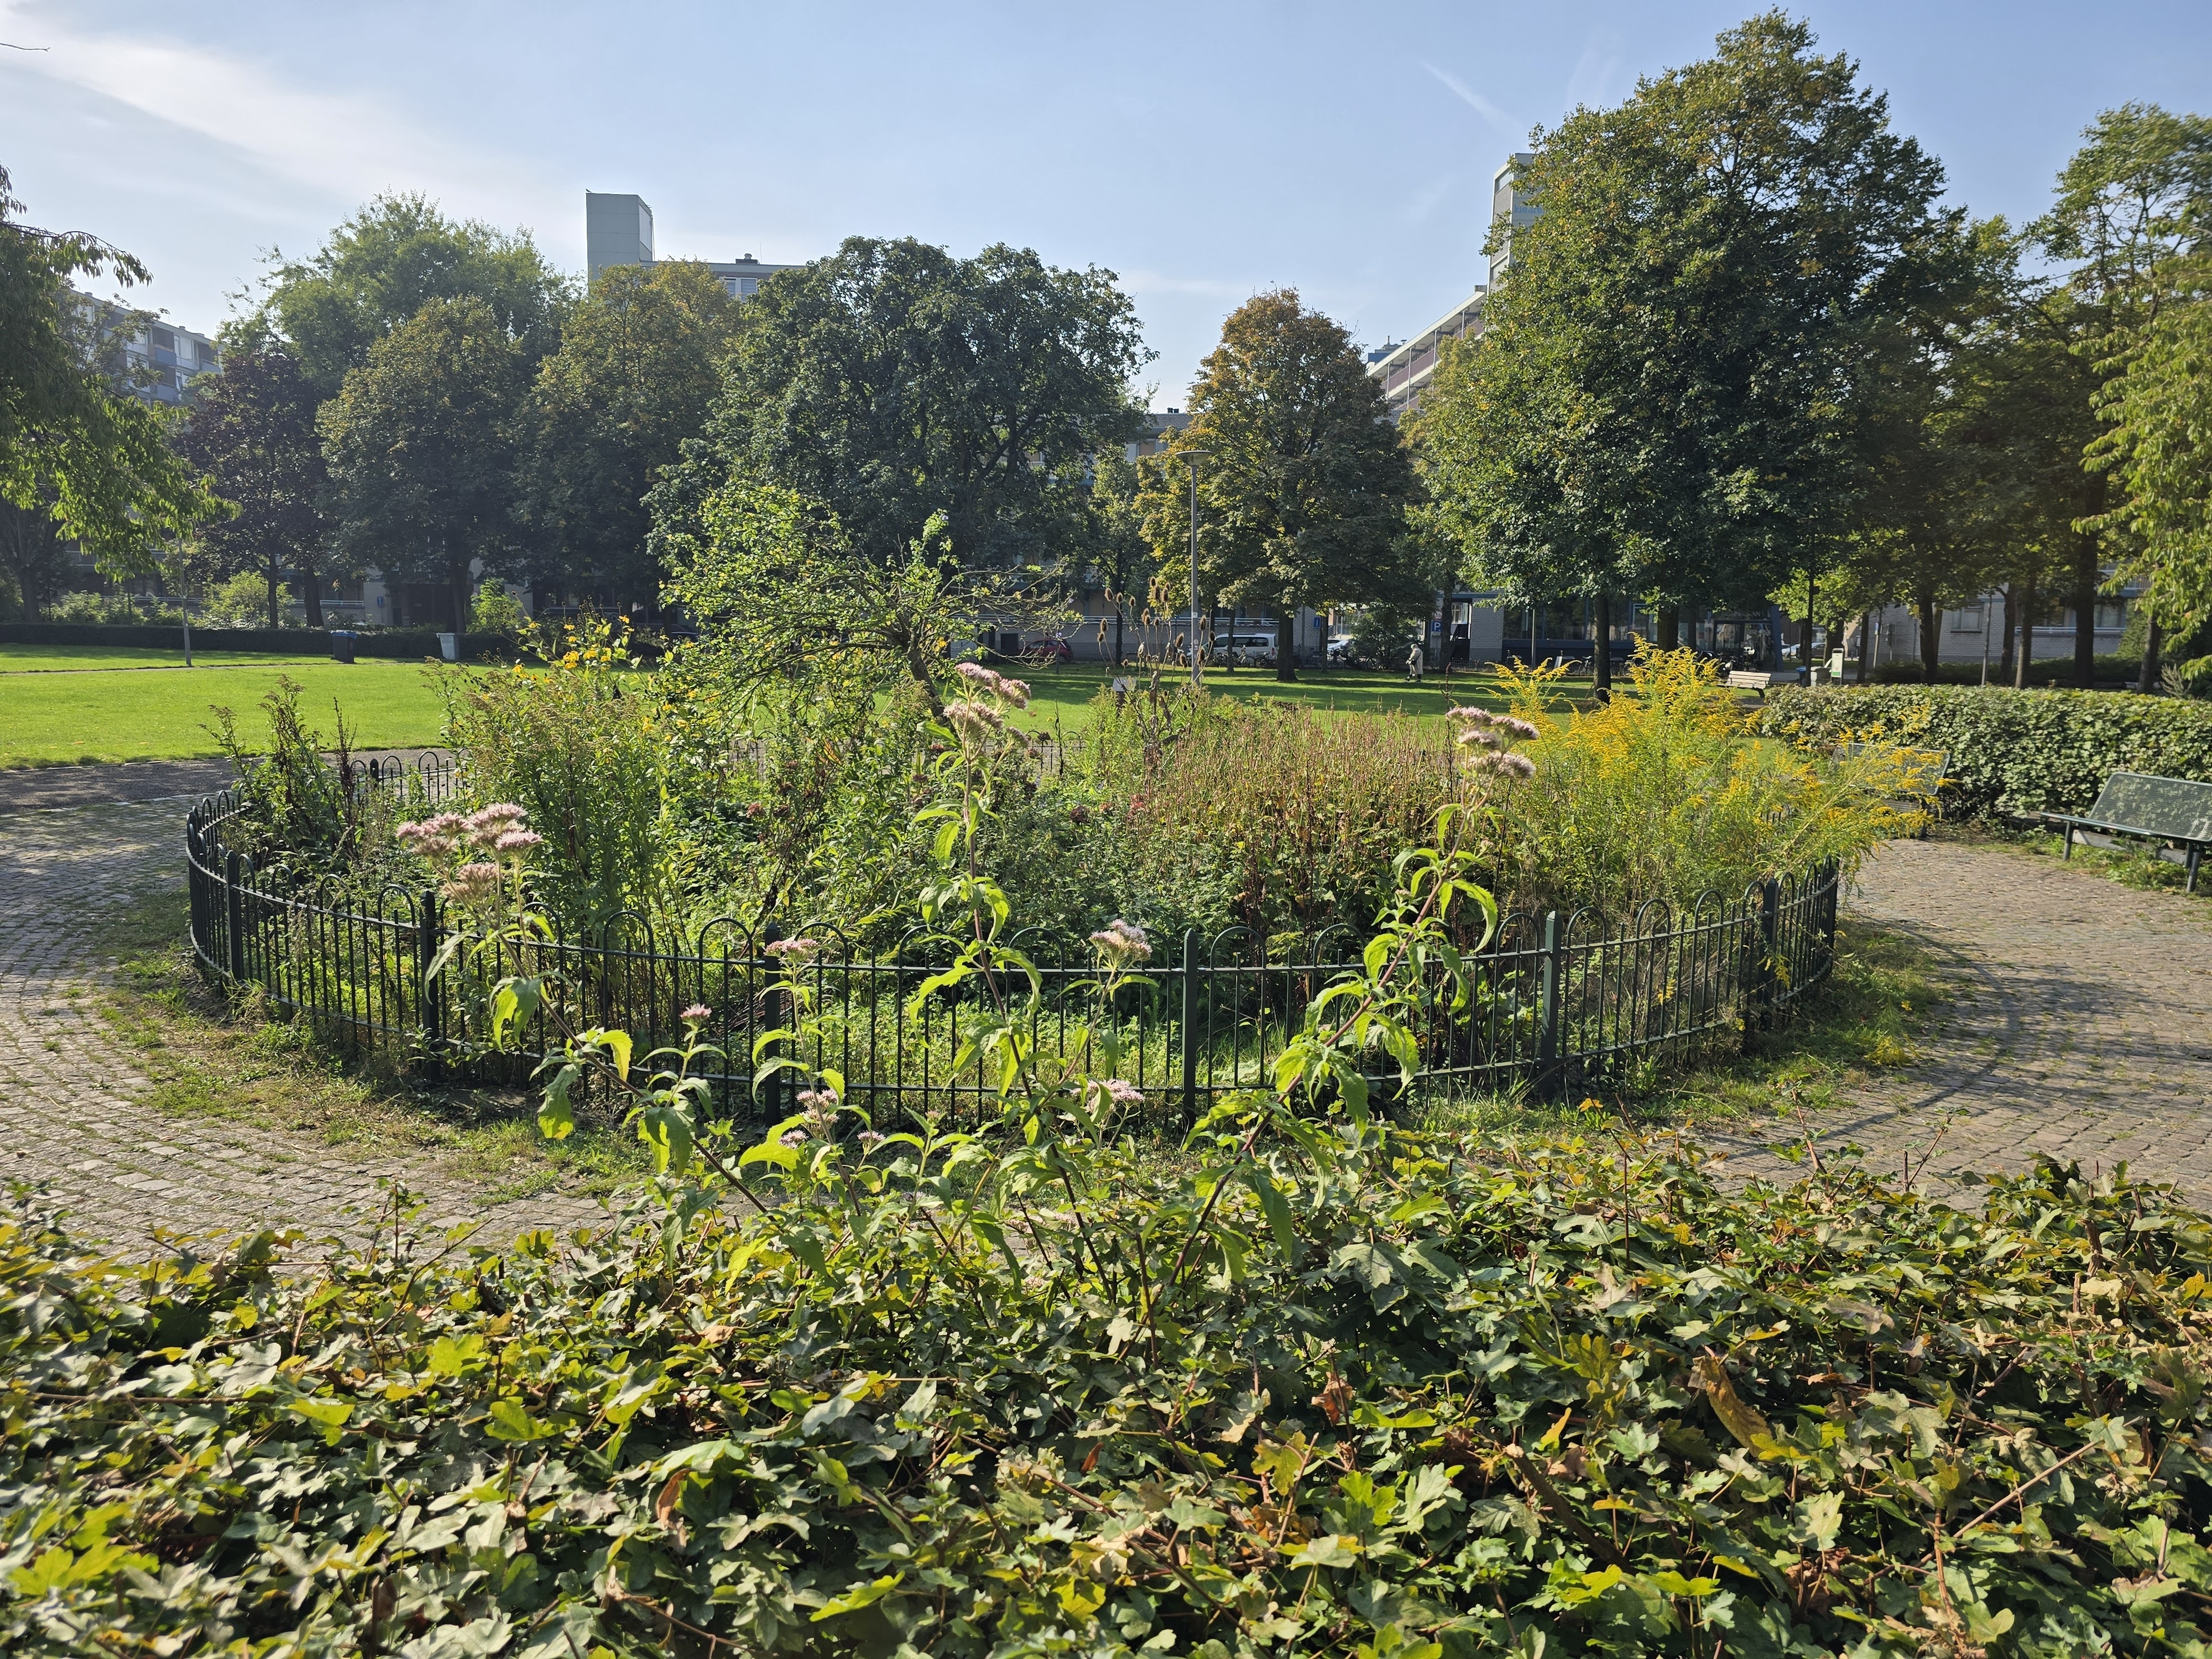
<point>33,553</point>
<point>891,383</point>
<point>2157,449</point>
<point>75,445</point>
<point>637,370</point>
<point>784,600</point>
<point>1664,398</point>
<point>1304,492</point>
<point>1122,561</point>
<point>383,265</point>
<point>2133,214</point>
<point>251,429</point>
<point>418,442</point>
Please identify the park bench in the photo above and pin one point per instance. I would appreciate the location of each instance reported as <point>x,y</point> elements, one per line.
<point>2159,809</point>
<point>1745,679</point>
<point>1923,773</point>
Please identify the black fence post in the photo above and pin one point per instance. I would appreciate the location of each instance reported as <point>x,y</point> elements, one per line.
<point>1769,916</point>
<point>434,998</point>
<point>1551,1075</point>
<point>234,915</point>
<point>773,1018</point>
<point>1190,1025</point>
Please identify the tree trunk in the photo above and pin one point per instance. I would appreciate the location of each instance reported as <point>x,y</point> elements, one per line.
<point>1931,635</point>
<point>1602,646</point>
<point>311,589</point>
<point>2085,613</point>
<point>1866,646</point>
<point>1117,636</point>
<point>2148,677</point>
<point>2011,621</point>
<point>456,570</point>
<point>1667,631</point>
<point>1286,660</point>
<point>2025,661</point>
<point>269,581</point>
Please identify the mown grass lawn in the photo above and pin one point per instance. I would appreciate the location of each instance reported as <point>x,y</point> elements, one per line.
<point>72,659</point>
<point>130,714</point>
<point>119,704</point>
<point>1065,692</point>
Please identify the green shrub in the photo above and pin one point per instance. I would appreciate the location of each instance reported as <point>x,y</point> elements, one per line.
<point>1662,794</point>
<point>584,746</point>
<point>2043,671</point>
<point>2010,751</point>
<point>1568,1403</point>
<point>1284,819</point>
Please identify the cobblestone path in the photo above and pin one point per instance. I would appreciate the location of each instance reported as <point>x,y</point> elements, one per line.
<point>71,1110</point>
<point>2081,1025</point>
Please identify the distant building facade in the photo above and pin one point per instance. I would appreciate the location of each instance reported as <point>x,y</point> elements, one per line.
<point>618,231</point>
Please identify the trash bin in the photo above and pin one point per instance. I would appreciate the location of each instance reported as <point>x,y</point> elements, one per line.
<point>449,646</point>
<point>342,640</point>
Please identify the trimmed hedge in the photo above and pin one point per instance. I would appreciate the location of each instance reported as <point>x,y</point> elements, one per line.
<point>2010,751</point>
<point>2118,673</point>
<point>402,643</point>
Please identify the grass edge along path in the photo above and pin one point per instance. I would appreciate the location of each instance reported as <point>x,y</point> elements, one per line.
<point>208,1059</point>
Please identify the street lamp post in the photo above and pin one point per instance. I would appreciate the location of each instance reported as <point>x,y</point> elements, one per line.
<point>1192,457</point>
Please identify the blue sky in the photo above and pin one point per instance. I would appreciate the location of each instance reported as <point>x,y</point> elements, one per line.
<point>1204,152</point>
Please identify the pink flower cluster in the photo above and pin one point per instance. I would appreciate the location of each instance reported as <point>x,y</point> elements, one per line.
<point>497,828</point>
<point>1122,943</point>
<point>975,722</point>
<point>794,953</point>
<point>991,683</point>
<point>1488,737</point>
<point>1118,1090</point>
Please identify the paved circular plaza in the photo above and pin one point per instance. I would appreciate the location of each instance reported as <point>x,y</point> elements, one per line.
<point>2080,1025</point>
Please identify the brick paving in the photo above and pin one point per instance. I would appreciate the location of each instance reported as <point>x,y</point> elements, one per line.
<point>71,1108</point>
<point>2080,1025</point>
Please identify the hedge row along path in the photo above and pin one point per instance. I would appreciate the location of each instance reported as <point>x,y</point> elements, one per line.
<point>2083,1028</point>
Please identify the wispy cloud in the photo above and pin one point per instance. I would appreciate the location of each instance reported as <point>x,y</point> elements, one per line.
<point>1474,100</point>
<point>1597,78</point>
<point>1155,282</point>
<point>348,144</point>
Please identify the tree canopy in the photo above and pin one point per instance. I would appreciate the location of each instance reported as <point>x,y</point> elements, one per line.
<point>892,383</point>
<point>251,429</point>
<point>1664,398</point>
<point>419,449</point>
<point>638,368</point>
<point>1303,489</point>
<point>381,266</point>
<point>75,446</point>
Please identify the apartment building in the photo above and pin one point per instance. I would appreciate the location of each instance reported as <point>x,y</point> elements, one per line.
<point>618,231</point>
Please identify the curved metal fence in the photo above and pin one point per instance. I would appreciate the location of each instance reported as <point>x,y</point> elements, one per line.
<point>1562,1004</point>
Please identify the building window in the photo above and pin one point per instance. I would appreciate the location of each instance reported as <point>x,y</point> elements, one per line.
<point>1966,622</point>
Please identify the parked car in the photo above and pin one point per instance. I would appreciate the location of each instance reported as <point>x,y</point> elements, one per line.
<point>1244,650</point>
<point>1340,653</point>
<point>1049,650</point>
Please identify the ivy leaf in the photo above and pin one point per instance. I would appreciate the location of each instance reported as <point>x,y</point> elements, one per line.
<point>509,1421</point>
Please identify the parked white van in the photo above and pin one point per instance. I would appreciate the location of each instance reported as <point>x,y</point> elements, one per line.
<point>1244,650</point>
